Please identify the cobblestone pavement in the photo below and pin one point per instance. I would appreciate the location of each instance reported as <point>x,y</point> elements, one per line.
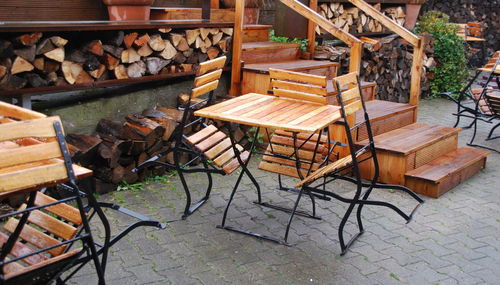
<point>452,240</point>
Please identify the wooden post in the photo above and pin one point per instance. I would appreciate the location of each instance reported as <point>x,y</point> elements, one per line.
<point>311,26</point>
<point>355,57</point>
<point>205,9</point>
<point>416,73</point>
<point>214,4</point>
<point>237,42</point>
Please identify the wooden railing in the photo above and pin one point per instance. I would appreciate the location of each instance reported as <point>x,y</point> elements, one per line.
<point>417,42</point>
<point>314,19</point>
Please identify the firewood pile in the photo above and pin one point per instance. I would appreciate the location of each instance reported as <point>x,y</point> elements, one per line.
<point>115,148</point>
<point>386,61</point>
<point>353,20</point>
<point>36,60</point>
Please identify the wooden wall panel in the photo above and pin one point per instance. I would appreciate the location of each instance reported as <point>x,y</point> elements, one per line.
<point>53,10</point>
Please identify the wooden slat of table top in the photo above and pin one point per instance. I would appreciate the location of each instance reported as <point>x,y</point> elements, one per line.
<point>297,119</point>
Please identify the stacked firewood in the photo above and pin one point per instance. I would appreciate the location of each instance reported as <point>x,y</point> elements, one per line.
<point>353,20</point>
<point>34,60</point>
<point>386,61</point>
<point>116,148</point>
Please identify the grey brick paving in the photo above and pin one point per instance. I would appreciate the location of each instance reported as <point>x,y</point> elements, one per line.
<point>452,240</point>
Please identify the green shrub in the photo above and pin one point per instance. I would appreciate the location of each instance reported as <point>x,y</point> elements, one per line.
<point>450,73</point>
<point>302,42</point>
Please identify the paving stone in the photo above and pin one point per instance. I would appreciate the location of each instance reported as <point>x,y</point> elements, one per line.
<point>451,240</point>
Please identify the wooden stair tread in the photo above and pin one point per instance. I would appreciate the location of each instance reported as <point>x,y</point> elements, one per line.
<point>380,109</point>
<point>441,167</point>
<point>257,27</point>
<point>267,45</point>
<point>411,138</point>
<point>293,65</point>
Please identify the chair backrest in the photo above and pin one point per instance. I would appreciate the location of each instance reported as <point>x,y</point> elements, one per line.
<point>10,113</point>
<point>492,66</point>
<point>30,158</point>
<point>474,29</point>
<point>351,100</point>
<point>42,155</point>
<point>300,86</point>
<point>207,76</point>
<point>493,102</point>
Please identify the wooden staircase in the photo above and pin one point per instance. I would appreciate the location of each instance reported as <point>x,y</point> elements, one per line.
<point>424,158</point>
<point>259,54</point>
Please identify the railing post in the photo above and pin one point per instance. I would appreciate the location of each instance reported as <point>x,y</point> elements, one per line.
<point>237,42</point>
<point>311,26</point>
<point>416,73</point>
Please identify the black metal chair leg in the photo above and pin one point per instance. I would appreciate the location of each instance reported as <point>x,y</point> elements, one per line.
<point>292,215</point>
<point>224,216</point>
<point>490,135</point>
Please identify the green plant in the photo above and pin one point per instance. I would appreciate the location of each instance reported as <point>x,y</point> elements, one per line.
<point>450,73</point>
<point>302,42</point>
<point>251,135</point>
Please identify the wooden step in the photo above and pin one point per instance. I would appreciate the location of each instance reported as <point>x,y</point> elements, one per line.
<point>256,33</point>
<point>256,75</point>
<point>407,148</point>
<point>385,116</point>
<point>267,51</point>
<point>182,13</point>
<point>447,171</point>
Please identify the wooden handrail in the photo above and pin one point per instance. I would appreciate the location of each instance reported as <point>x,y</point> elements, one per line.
<point>417,42</point>
<point>386,21</point>
<point>321,21</point>
<point>237,42</point>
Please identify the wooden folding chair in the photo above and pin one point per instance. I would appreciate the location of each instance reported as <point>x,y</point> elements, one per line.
<point>351,100</point>
<point>46,237</point>
<point>207,142</point>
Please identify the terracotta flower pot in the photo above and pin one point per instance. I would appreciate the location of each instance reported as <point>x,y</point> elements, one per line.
<point>128,10</point>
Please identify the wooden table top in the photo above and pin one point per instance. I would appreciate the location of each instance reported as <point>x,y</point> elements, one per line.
<point>273,112</point>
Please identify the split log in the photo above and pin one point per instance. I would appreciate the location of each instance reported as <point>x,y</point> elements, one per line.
<point>136,70</point>
<point>26,53</point>
<point>114,50</point>
<point>121,72</point>
<point>98,73</point>
<point>145,51</point>
<point>94,47</point>
<point>130,56</point>
<point>112,128</point>
<point>35,80</point>
<point>155,64</point>
<point>12,82</point>
<point>204,32</point>
<point>39,63</point>
<point>174,113</point>
<point>169,52</point>
<point>110,61</point>
<point>44,46</point>
<point>142,40</point>
<point>164,30</point>
<point>3,71</point>
<point>227,31</point>
<point>77,56</point>
<point>91,63</point>
<point>51,66</point>
<point>114,38</point>
<point>182,45</point>
<point>212,52</point>
<point>83,77</point>
<point>179,58</point>
<point>71,71</point>
<point>191,36</point>
<point>156,43</point>
<point>129,39</point>
<point>28,39</point>
<point>216,38</point>
<point>175,38</point>
<point>86,145</point>
<point>21,65</point>
<point>56,54</point>
<point>58,41</point>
